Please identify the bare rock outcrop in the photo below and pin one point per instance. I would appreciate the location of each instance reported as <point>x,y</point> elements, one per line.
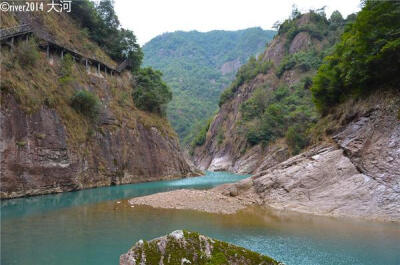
<point>324,181</point>
<point>355,174</point>
<point>183,247</point>
<point>36,157</point>
<point>358,175</point>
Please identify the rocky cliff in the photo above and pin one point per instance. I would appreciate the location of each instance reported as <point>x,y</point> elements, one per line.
<point>352,173</point>
<point>350,167</point>
<point>355,175</point>
<point>182,247</point>
<point>47,146</point>
<point>226,146</point>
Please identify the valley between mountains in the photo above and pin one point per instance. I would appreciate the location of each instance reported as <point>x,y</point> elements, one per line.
<point>268,146</point>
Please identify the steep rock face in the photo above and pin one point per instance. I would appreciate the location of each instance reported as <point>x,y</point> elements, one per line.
<point>215,156</point>
<point>182,247</point>
<point>324,181</point>
<point>36,158</point>
<point>358,175</point>
<point>48,146</point>
<point>230,66</point>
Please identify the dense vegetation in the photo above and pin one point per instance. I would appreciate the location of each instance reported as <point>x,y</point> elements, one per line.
<point>247,72</point>
<point>202,134</point>
<point>319,27</point>
<point>197,66</point>
<point>102,26</point>
<point>367,57</point>
<point>269,115</point>
<point>150,93</point>
<point>86,103</point>
<point>277,111</point>
<point>27,53</point>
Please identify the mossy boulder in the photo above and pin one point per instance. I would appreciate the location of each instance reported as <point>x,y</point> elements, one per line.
<point>183,247</point>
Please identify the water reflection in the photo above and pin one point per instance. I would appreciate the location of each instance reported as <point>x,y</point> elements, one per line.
<point>40,204</point>
<point>90,227</point>
<point>99,233</point>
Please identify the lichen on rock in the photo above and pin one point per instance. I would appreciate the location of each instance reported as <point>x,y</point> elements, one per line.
<point>182,247</point>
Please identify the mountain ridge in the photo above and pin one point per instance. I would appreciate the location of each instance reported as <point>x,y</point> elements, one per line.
<point>197,66</point>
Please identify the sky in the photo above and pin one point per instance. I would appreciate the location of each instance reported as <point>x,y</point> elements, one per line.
<point>149,18</point>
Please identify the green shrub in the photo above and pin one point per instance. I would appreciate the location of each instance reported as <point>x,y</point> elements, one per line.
<point>20,143</point>
<point>256,104</point>
<point>246,73</point>
<point>86,103</point>
<point>200,138</point>
<point>268,115</point>
<point>287,63</point>
<point>296,139</point>
<point>66,69</point>
<point>122,100</point>
<point>27,53</point>
<point>367,57</point>
<point>150,93</point>
<point>336,20</point>
<point>305,61</point>
<point>307,82</point>
<point>226,95</point>
<point>100,20</point>
<point>220,136</point>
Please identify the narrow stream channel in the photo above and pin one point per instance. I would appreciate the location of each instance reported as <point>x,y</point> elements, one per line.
<point>94,227</point>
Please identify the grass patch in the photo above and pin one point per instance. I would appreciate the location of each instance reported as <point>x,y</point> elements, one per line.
<point>27,53</point>
<point>20,143</point>
<point>86,103</point>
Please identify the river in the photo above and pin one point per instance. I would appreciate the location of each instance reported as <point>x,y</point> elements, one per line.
<point>96,226</point>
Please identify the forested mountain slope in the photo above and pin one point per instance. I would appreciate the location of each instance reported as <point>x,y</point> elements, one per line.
<point>66,126</point>
<point>344,121</point>
<point>197,66</point>
<point>270,100</point>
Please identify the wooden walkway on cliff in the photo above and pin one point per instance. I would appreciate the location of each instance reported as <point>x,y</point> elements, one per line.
<point>9,36</point>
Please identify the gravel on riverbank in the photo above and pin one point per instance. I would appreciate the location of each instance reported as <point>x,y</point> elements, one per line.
<point>210,201</point>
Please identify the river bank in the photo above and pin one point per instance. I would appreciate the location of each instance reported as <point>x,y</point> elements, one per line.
<point>339,195</point>
<point>98,225</point>
<point>210,201</point>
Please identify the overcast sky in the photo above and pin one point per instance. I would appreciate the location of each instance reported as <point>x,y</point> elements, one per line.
<point>149,18</point>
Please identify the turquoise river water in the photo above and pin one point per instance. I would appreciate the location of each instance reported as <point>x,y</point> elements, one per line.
<point>96,226</point>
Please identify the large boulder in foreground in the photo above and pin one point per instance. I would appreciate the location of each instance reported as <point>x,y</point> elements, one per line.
<point>182,247</point>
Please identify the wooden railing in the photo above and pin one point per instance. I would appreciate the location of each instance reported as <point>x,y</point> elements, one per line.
<point>15,31</point>
<point>9,33</point>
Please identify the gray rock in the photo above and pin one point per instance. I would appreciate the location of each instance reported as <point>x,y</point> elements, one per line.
<point>182,247</point>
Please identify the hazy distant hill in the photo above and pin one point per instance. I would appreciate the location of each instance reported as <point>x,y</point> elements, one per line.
<point>198,66</point>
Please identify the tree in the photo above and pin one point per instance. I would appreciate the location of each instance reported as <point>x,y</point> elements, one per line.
<point>86,103</point>
<point>130,49</point>
<point>295,12</point>
<point>107,14</point>
<point>276,25</point>
<point>104,28</point>
<point>336,17</point>
<point>366,59</point>
<point>150,93</point>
